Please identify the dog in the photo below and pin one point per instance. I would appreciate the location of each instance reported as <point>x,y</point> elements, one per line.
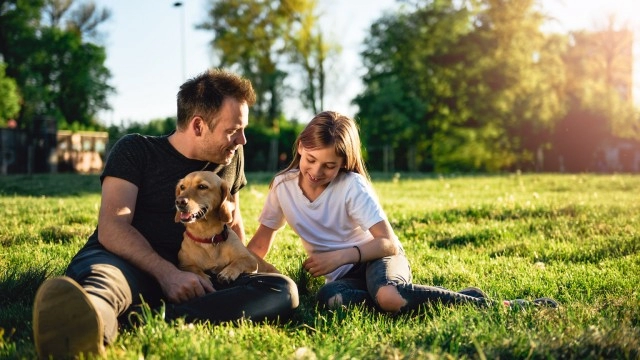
<point>204,205</point>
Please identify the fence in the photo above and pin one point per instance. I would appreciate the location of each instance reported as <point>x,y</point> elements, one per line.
<point>50,151</point>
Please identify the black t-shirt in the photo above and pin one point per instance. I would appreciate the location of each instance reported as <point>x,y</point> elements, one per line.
<point>155,167</point>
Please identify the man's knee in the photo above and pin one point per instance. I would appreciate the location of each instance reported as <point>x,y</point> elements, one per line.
<point>290,289</point>
<point>281,291</point>
<point>106,282</point>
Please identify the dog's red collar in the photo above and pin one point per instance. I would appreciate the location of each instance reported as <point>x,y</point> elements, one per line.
<point>216,239</point>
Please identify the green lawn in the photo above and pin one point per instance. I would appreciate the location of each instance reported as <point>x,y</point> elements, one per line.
<point>575,238</point>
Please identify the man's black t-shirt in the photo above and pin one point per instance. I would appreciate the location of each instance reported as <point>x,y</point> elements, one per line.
<point>155,167</point>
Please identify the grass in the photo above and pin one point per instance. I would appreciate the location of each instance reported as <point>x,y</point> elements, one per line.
<point>575,238</point>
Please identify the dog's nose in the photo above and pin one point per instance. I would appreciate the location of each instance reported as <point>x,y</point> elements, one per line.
<point>181,201</point>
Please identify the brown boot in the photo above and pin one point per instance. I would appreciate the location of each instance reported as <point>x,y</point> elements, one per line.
<point>65,323</point>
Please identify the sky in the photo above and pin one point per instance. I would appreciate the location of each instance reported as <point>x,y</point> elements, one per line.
<point>152,47</point>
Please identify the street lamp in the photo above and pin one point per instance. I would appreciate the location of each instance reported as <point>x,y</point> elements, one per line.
<point>182,41</point>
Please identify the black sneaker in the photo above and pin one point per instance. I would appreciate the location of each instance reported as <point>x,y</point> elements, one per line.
<point>546,302</point>
<point>473,292</point>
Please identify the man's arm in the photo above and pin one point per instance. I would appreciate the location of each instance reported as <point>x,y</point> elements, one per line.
<point>117,235</point>
<point>237,224</point>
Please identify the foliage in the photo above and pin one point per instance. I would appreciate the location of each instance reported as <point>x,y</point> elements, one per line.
<point>407,95</point>
<point>571,237</point>
<point>154,127</point>
<point>478,86</point>
<point>311,52</point>
<point>9,98</point>
<point>261,40</point>
<point>58,72</point>
<point>597,65</point>
<point>514,97</point>
<point>467,80</point>
<point>262,139</point>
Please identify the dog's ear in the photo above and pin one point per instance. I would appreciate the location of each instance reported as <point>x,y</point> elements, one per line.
<point>177,217</point>
<point>226,205</point>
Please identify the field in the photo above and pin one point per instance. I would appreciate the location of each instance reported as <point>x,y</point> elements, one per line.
<point>575,238</point>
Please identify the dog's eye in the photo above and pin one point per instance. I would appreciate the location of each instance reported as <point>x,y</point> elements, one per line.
<point>181,186</point>
<point>202,187</point>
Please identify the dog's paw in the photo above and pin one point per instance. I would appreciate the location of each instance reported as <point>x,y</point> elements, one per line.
<point>228,275</point>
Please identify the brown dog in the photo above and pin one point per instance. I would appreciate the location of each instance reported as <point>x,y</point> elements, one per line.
<point>204,206</point>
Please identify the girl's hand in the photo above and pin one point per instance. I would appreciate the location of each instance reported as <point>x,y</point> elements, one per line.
<point>320,264</point>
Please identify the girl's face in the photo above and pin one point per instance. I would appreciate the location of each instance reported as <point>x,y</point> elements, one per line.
<point>319,167</point>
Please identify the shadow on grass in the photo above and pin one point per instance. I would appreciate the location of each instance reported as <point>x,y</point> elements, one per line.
<point>475,238</point>
<point>591,252</point>
<point>17,291</point>
<point>59,185</point>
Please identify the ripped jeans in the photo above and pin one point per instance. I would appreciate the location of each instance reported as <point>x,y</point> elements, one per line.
<point>362,282</point>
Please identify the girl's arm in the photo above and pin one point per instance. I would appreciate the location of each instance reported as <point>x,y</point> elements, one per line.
<point>261,241</point>
<point>382,245</point>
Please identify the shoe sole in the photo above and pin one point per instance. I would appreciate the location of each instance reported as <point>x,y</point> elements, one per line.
<point>65,323</point>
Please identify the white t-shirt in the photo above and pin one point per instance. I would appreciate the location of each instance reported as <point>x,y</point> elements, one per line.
<point>339,218</point>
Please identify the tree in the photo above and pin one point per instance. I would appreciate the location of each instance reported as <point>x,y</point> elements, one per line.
<point>311,52</point>
<point>249,35</point>
<point>154,127</point>
<point>599,64</point>
<point>19,21</point>
<point>598,68</point>
<point>262,40</point>
<point>515,97</point>
<point>470,84</point>
<point>9,98</point>
<point>83,19</point>
<point>59,73</point>
<point>408,99</point>
<point>80,73</point>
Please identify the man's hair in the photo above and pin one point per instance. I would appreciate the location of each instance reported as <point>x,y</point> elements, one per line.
<point>203,95</point>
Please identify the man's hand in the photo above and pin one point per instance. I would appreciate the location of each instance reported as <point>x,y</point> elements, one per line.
<point>180,286</point>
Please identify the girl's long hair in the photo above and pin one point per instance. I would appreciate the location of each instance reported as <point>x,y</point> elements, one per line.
<point>331,129</point>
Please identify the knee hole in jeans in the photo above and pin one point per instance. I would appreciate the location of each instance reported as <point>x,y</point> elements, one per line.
<point>389,299</point>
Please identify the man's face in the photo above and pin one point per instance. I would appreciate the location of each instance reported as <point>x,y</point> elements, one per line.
<point>219,145</point>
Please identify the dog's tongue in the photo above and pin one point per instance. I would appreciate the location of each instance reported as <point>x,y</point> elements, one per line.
<point>185,216</point>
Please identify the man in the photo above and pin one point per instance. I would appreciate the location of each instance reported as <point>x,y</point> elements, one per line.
<point>133,252</point>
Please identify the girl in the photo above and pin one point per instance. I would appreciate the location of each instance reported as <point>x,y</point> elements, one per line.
<point>326,196</point>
